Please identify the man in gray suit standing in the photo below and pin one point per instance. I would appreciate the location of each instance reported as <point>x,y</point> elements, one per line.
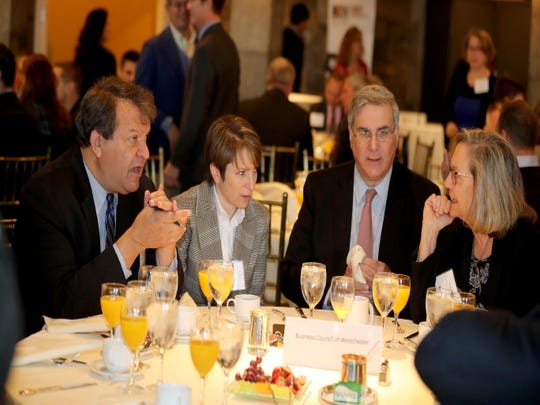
<point>226,223</point>
<point>212,91</point>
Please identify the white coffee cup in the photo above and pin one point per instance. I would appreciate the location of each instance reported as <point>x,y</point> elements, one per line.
<point>361,311</point>
<point>116,355</point>
<point>173,394</point>
<point>243,305</point>
<point>423,330</point>
<point>186,320</point>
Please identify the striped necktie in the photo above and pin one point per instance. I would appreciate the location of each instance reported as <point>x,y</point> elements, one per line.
<point>110,221</point>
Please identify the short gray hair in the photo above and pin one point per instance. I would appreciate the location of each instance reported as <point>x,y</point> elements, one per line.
<point>280,71</point>
<point>376,95</point>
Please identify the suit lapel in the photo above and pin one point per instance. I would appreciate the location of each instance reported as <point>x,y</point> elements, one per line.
<point>342,206</point>
<point>393,214</point>
<point>84,195</point>
<point>244,241</point>
<point>171,53</point>
<point>207,224</point>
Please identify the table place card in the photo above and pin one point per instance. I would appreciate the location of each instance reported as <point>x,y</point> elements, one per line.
<point>320,344</point>
<point>447,281</point>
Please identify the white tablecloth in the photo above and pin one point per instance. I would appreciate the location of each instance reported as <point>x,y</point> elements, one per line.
<point>406,387</point>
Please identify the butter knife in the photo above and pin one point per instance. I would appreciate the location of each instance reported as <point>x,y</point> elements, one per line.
<point>301,312</point>
<point>32,391</point>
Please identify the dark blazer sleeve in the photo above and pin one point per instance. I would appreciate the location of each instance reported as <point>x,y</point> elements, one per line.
<point>482,358</point>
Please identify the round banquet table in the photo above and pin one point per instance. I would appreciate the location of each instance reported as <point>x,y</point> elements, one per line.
<point>405,388</point>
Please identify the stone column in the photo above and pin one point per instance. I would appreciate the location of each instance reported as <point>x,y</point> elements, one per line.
<point>251,33</point>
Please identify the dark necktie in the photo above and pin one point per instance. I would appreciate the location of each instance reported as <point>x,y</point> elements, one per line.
<point>110,221</point>
<point>365,231</point>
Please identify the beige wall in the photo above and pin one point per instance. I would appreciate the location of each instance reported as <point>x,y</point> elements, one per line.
<point>130,23</point>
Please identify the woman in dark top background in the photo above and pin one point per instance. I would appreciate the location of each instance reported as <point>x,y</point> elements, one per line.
<point>471,87</point>
<point>92,58</point>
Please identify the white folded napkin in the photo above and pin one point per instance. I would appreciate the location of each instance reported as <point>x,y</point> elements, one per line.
<point>83,325</point>
<point>354,258</point>
<point>44,346</point>
<point>186,301</point>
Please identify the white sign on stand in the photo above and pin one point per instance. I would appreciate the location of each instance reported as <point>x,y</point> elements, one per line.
<point>320,344</point>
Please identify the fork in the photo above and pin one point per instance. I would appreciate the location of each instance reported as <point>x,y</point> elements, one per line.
<point>60,361</point>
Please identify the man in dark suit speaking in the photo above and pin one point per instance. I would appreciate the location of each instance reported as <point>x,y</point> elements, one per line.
<point>211,91</point>
<point>329,222</point>
<point>86,216</point>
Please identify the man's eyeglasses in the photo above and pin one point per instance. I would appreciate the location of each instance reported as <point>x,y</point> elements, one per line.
<point>381,134</point>
<point>454,174</point>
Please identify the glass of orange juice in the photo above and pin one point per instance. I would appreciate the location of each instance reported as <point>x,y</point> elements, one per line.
<point>203,282</point>
<point>113,296</point>
<point>204,350</point>
<point>134,327</point>
<point>220,280</point>
<point>299,182</point>
<point>404,291</point>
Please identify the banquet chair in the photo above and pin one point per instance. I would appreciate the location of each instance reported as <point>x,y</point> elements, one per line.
<point>403,141</point>
<point>422,158</point>
<point>276,254</point>
<point>311,163</point>
<point>279,163</point>
<point>154,167</point>
<point>15,172</point>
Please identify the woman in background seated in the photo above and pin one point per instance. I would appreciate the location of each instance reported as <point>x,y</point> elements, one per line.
<point>483,230</point>
<point>38,94</point>
<point>226,223</point>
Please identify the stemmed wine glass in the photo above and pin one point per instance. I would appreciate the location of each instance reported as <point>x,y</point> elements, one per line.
<point>385,291</point>
<point>404,290</point>
<point>220,280</point>
<point>134,326</point>
<point>342,295</point>
<point>204,349</point>
<point>164,282</point>
<point>312,281</point>
<point>439,302</point>
<point>231,339</point>
<point>162,320</point>
<point>140,290</point>
<point>203,281</point>
<point>145,272</point>
<point>113,297</point>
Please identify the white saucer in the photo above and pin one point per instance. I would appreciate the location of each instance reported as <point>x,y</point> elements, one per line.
<point>98,368</point>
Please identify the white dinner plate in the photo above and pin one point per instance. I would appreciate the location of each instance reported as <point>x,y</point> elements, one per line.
<point>98,368</point>
<point>327,396</point>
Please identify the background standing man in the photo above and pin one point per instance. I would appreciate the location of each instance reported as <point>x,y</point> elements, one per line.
<point>162,69</point>
<point>292,46</point>
<point>212,91</point>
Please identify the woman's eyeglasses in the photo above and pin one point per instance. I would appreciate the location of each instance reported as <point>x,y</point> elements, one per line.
<point>454,174</point>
